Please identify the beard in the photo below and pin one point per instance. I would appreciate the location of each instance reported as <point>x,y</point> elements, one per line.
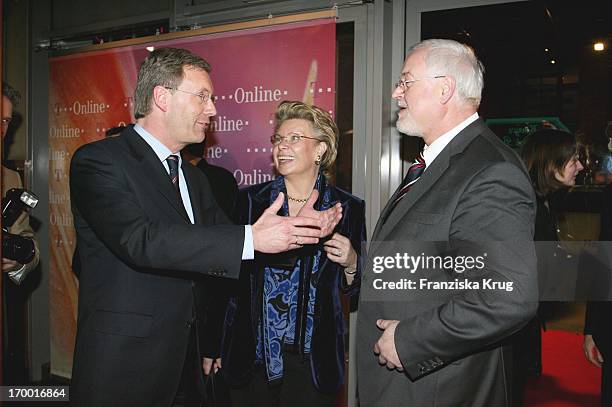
<point>407,126</point>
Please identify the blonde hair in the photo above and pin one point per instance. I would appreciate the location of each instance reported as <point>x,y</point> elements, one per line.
<point>322,124</point>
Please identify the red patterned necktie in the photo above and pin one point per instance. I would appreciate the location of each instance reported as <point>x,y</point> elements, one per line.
<point>173,162</point>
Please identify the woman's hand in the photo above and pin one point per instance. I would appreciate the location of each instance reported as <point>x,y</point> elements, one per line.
<point>339,250</point>
<point>591,352</point>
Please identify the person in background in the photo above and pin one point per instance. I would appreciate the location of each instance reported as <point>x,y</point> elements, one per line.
<point>597,343</point>
<point>11,179</point>
<point>15,298</point>
<point>222,182</point>
<point>225,190</point>
<point>283,343</point>
<point>551,157</point>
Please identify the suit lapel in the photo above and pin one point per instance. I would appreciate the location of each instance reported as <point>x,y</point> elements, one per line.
<point>427,181</point>
<point>153,171</point>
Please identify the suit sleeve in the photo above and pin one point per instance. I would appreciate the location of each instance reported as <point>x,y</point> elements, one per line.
<point>357,235</point>
<point>104,197</point>
<point>497,206</point>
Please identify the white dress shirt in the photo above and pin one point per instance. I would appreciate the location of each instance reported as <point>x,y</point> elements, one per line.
<point>430,152</point>
<point>162,152</point>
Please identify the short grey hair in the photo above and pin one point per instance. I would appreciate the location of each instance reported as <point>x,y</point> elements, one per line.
<point>452,58</point>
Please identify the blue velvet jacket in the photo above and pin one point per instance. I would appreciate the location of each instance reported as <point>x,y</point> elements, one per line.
<point>244,308</point>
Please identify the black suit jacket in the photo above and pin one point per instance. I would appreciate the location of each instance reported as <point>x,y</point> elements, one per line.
<point>223,184</point>
<point>141,260</point>
<point>476,190</point>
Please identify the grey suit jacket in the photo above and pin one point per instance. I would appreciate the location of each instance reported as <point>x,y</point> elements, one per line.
<point>450,342</point>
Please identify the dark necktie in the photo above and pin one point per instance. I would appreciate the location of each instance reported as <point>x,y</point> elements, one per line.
<point>173,162</point>
<point>414,173</point>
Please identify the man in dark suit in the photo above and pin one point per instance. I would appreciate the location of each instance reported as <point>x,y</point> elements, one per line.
<point>442,347</point>
<point>147,228</point>
<point>222,182</point>
<point>214,297</point>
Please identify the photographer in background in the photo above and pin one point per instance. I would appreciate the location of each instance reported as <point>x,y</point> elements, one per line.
<point>14,351</point>
<point>11,179</point>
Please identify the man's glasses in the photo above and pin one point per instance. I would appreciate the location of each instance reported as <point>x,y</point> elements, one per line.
<point>204,96</point>
<point>403,85</point>
<point>292,138</point>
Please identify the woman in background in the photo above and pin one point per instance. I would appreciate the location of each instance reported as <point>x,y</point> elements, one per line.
<point>551,157</point>
<point>283,343</point>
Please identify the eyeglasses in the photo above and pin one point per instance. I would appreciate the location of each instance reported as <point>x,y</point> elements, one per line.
<point>292,138</point>
<point>403,85</point>
<point>204,96</point>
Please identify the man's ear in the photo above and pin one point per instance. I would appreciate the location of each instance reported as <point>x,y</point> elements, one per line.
<point>447,89</point>
<point>161,97</point>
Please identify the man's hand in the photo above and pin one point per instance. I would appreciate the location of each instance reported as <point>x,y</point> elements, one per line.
<point>208,364</point>
<point>275,234</point>
<point>591,352</point>
<point>10,265</point>
<point>385,347</point>
<point>328,219</point>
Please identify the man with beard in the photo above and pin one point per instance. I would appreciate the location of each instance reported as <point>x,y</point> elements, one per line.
<point>443,348</point>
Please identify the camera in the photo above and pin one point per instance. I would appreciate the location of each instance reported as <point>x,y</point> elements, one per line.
<point>15,247</point>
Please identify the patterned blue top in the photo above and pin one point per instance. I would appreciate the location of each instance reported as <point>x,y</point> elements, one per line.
<point>281,292</point>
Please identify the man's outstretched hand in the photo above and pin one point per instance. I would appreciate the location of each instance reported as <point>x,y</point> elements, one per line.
<point>328,219</point>
<point>275,234</point>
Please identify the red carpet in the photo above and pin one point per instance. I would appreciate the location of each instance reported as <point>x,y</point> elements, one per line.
<point>567,380</point>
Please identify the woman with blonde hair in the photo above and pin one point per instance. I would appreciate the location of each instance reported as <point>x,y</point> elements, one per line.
<point>284,337</point>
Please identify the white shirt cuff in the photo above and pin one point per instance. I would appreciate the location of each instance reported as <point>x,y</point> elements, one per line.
<point>248,250</point>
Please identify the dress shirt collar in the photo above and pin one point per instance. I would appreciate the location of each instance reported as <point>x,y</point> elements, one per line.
<point>430,152</point>
<point>160,150</point>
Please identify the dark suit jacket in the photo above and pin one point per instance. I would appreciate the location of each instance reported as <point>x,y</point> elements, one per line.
<point>244,309</point>
<point>141,259</point>
<point>476,190</point>
<point>223,185</point>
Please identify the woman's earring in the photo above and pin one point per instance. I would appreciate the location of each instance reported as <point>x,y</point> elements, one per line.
<point>318,160</point>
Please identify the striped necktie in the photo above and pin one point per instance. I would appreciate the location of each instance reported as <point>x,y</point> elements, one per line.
<point>414,172</point>
<point>173,162</point>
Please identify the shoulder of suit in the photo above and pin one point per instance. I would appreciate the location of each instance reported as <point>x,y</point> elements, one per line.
<point>10,179</point>
<point>257,189</point>
<point>107,143</point>
<point>217,171</point>
<point>490,149</point>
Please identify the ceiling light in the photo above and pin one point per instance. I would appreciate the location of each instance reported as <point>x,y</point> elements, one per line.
<point>598,46</point>
<point>150,49</point>
<point>552,61</point>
